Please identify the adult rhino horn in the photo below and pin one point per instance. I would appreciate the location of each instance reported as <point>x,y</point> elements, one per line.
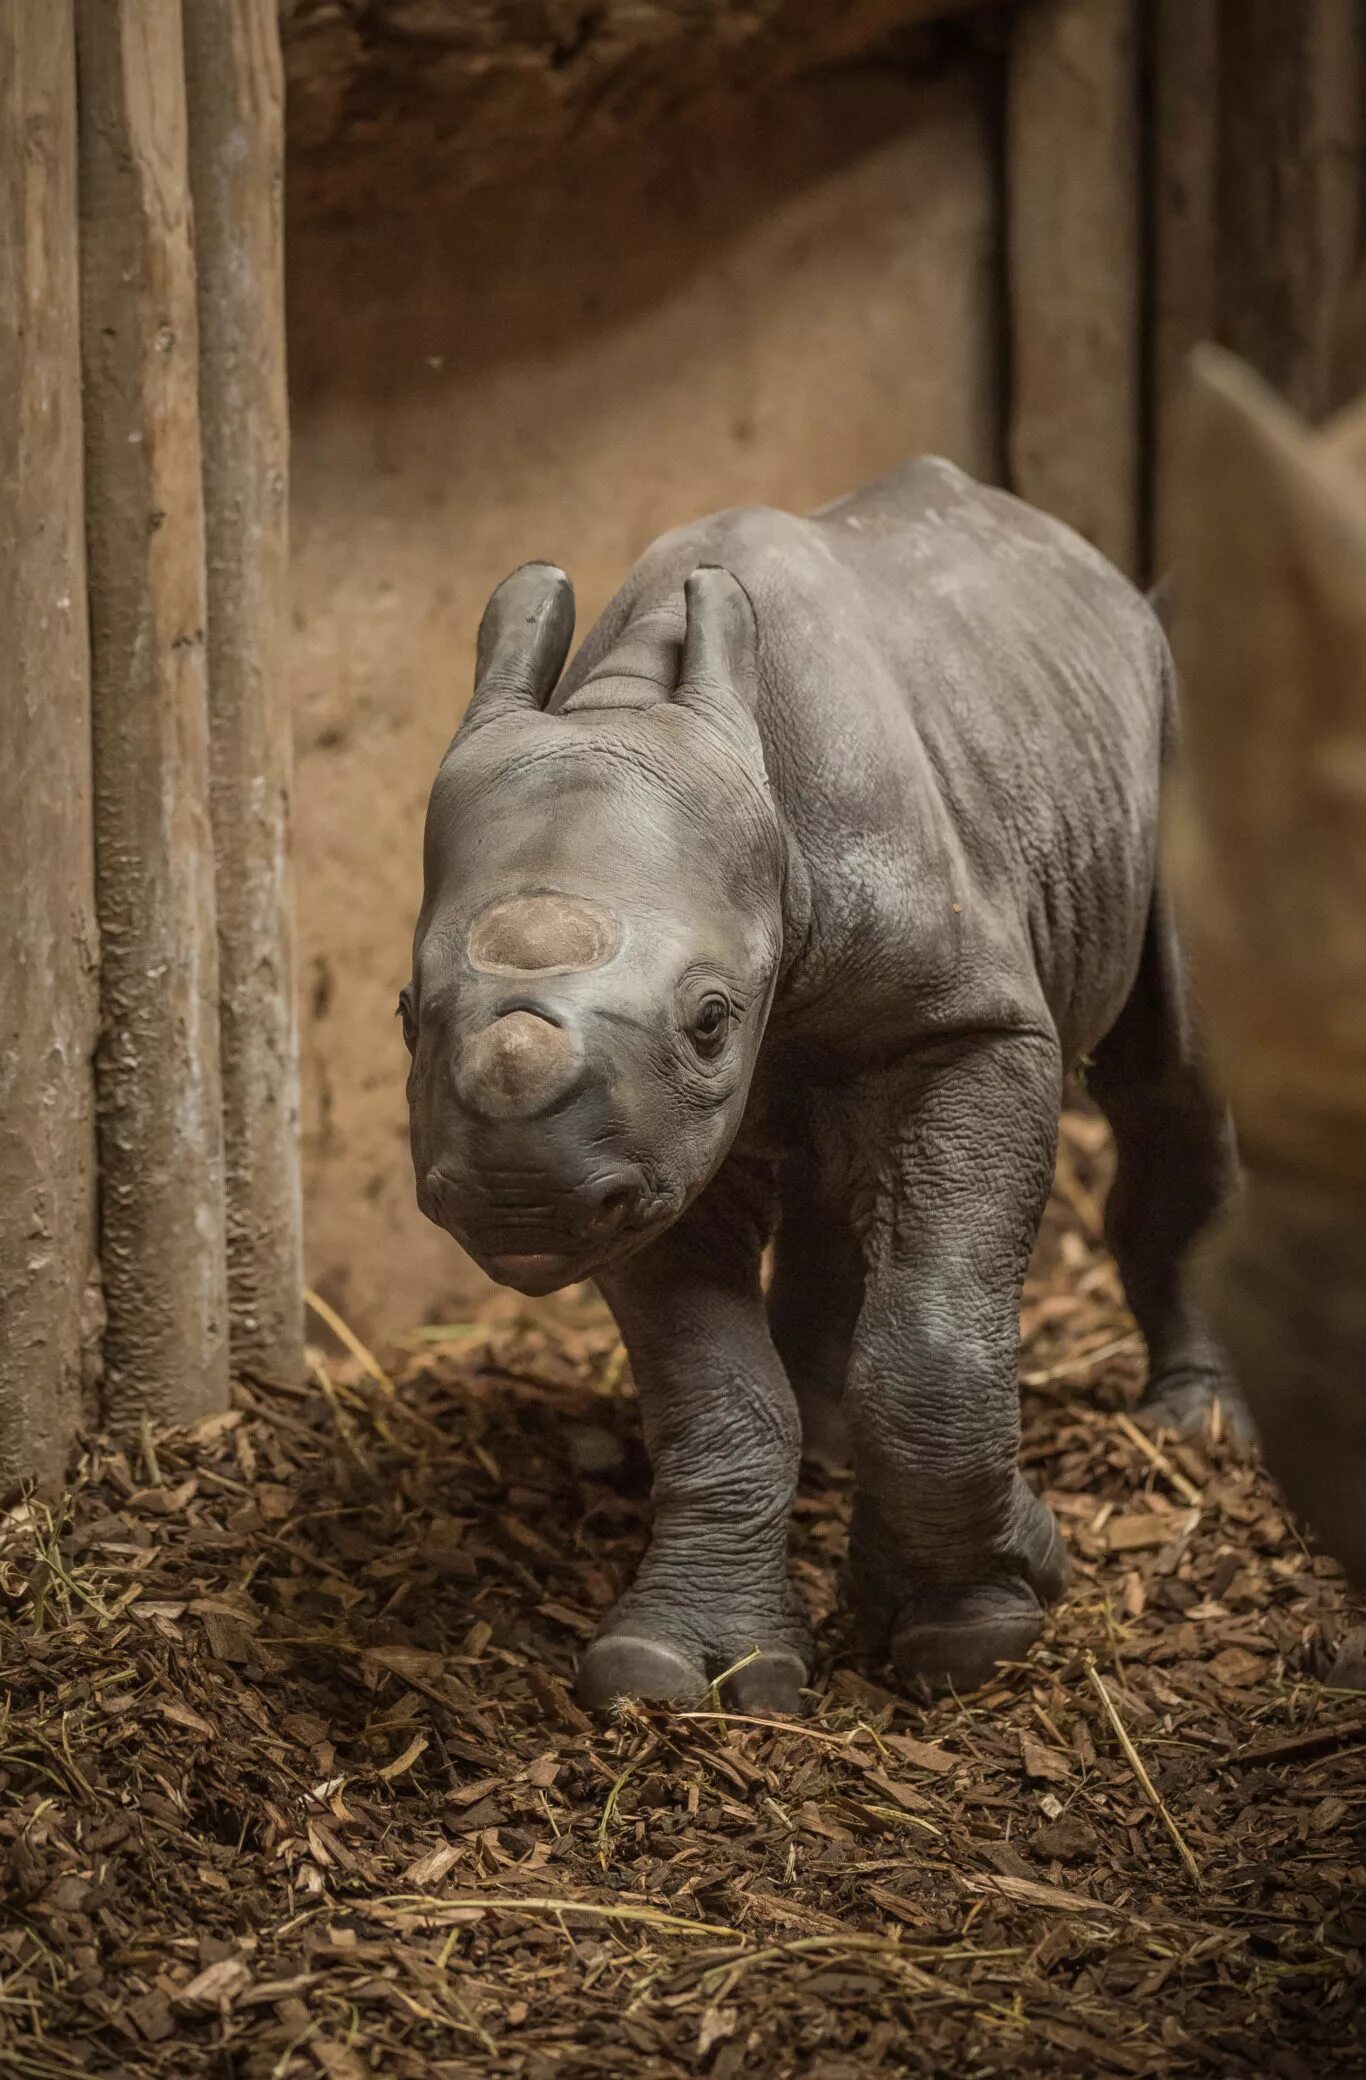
<point>524,638</point>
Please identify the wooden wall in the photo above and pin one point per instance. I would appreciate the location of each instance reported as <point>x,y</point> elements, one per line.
<point>1175,170</point>
<point>149,1234</point>
<point>48,957</point>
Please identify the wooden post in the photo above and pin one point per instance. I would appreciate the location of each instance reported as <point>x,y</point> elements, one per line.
<point>158,1090</point>
<point>48,998</point>
<point>1289,187</point>
<point>1184,58</point>
<point>236,150</point>
<point>1073,207</point>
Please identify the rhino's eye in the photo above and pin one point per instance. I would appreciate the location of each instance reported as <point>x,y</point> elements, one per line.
<point>406,1013</point>
<point>711,1025</point>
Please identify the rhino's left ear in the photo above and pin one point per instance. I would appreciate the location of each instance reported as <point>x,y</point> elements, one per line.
<point>720,667</point>
<point>524,638</point>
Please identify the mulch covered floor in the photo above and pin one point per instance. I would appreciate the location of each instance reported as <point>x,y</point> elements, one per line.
<point>291,1779</point>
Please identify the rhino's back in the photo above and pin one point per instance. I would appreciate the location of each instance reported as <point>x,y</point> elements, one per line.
<point>962,704</point>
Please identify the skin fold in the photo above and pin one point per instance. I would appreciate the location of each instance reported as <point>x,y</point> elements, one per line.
<point>828,857</point>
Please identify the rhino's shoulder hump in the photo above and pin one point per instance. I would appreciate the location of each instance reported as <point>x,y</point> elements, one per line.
<point>736,535</point>
<point>905,493</point>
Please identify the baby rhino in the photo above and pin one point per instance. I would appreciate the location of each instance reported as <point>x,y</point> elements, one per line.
<point>783,915</point>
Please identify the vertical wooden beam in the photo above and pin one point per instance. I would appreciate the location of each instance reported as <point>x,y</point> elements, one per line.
<point>1184,57</point>
<point>235,90</point>
<point>1073,236</point>
<point>1289,187</point>
<point>48,995</point>
<point>158,1090</point>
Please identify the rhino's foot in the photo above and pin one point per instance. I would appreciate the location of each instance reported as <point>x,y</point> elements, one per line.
<point>1184,1398</point>
<point>667,1663</point>
<point>950,1634</point>
<point>630,1664</point>
<point>772,1682</point>
<point>626,1664</point>
<point>955,1643</point>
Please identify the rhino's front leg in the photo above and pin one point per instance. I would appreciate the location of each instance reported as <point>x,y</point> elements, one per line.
<point>723,1435</point>
<point>952,1557</point>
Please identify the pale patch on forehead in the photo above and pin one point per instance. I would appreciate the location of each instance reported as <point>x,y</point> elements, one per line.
<point>547,934</point>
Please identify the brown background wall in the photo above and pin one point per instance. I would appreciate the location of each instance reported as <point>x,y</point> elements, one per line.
<point>772,301</point>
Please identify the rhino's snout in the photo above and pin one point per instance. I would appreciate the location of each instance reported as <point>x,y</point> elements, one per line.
<point>593,1216</point>
<point>611,1203</point>
<point>539,1247</point>
<point>525,1175</point>
<point>602,1213</point>
<point>519,1066</point>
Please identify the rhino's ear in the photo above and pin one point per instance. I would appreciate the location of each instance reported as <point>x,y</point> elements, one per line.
<point>1345,435</point>
<point>720,666</point>
<point>524,638</point>
<point>1267,816</point>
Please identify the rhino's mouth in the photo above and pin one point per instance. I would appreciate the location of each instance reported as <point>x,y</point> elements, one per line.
<point>531,1252</point>
<point>536,1274</point>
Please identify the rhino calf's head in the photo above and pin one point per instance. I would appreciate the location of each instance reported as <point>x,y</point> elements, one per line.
<point>599,939</point>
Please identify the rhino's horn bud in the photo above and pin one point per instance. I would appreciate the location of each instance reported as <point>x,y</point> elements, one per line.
<point>518,1066</point>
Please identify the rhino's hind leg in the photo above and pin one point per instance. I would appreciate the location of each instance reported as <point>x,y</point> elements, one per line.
<point>813,1307</point>
<point>712,1598</point>
<point>1175,1169</point>
<point>953,1559</point>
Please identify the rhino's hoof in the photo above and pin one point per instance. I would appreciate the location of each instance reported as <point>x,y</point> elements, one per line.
<point>961,1653</point>
<point>625,1664</point>
<point>1185,1402</point>
<point>953,1639</point>
<point>773,1682</point>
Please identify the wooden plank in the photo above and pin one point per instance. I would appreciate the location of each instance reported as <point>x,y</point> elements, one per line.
<point>235,95</point>
<point>1185,241</point>
<point>1289,187</point>
<point>1073,236</point>
<point>48,996</point>
<point>158,1094</point>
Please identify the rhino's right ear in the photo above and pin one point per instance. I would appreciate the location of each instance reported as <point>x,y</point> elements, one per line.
<point>720,663</point>
<point>524,638</point>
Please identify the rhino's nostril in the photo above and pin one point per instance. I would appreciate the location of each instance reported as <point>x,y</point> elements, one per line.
<point>437,1195</point>
<point>611,1204</point>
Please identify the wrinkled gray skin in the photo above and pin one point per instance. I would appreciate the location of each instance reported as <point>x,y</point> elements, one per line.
<point>786,910</point>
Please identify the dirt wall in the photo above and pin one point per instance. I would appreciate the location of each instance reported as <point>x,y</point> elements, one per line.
<point>771,303</point>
